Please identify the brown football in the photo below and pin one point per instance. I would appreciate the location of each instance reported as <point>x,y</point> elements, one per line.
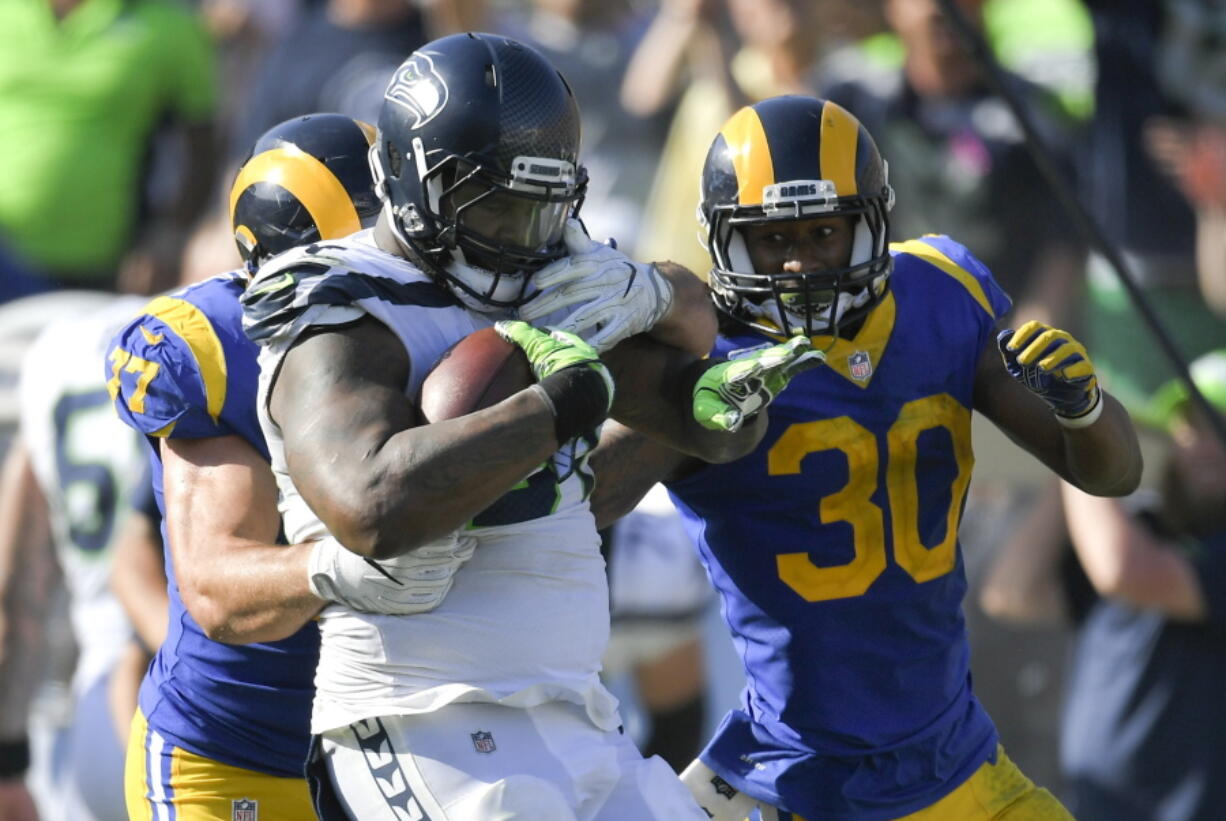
<point>480,370</point>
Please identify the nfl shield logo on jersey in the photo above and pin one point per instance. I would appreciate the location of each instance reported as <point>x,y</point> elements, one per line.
<point>860,366</point>
<point>244,809</point>
<point>483,741</point>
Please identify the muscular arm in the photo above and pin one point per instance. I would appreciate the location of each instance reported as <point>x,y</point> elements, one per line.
<point>222,523</point>
<point>138,578</point>
<point>690,324</point>
<point>380,481</point>
<point>655,384</point>
<point>1125,562</point>
<point>1103,458</point>
<point>627,464</point>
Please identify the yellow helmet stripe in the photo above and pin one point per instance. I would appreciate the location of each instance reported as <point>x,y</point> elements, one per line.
<point>750,155</point>
<point>309,180</point>
<point>194,328</point>
<point>840,138</point>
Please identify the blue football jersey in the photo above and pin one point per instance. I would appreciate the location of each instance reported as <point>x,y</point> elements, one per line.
<point>183,368</point>
<point>834,549</point>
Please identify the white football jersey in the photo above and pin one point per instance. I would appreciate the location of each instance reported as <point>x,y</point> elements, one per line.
<point>527,617</point>
<point>87,462</point>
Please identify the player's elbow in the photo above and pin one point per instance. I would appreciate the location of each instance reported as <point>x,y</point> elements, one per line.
<point>378,528</point>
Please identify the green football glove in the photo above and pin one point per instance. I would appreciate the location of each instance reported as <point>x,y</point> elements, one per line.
<point>731,392</point>
<point>570,376</point>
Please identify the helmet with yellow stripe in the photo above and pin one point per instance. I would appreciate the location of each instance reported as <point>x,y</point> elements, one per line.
<point>307,179</point>
<point>789,159</point>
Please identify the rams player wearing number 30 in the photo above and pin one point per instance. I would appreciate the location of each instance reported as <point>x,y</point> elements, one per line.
<point>834,545</point>
<point>221,730</point>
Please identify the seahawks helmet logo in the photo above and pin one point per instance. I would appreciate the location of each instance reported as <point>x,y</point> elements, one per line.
<point>419,88</point>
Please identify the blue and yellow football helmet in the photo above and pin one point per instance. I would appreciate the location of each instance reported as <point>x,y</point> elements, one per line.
<point>307,179</point>
<point>789,158</point>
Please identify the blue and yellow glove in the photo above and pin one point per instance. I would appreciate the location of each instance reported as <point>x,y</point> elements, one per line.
<point>731,392</point>
<point>575,384</point>
<point>1055,367</point>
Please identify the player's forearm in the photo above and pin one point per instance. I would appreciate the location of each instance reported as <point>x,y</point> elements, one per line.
<point>422,483</point>
<point>1104,459</point>
<point>627,464</point>
<point>690,324</point>
<point>655,385</point>
<point>248,591</point>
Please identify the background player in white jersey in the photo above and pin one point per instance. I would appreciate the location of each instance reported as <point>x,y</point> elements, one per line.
<point>488,703</point>
<point>70,477</point>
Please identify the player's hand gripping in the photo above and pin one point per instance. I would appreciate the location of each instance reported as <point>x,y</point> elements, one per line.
<point>731,392</point>
<point>573,381</point>
<point>413,583</point>
<point>615,296</point>
<point>1055,367</point>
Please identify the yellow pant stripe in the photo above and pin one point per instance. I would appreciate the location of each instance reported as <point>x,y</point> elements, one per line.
<point>195,788</point>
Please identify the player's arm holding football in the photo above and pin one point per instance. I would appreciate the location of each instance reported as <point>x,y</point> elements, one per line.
<point>1037,384</point>
<point>382,482</point>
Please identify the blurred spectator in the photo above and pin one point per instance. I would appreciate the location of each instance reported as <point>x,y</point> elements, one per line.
<point>1138,206</point>
<point>339,57</point>
<point>69,479</point>
<point>590,41</point>
<point>1192,69</point>
<point>84,87</point>
<point>778,45</point>
<point>1142,729</point>
<point>958,159</point>
<point>658,595</point>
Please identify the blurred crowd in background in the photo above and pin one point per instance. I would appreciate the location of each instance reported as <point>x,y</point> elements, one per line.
<point>122,123</point>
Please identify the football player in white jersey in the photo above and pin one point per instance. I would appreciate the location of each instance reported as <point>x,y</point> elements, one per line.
<point>487,703</point>
<point>69,478</point>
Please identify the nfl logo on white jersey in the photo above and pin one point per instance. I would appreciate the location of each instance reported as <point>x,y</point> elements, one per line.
<point>859,365</point>
<point>483,741</point>
<point>245,809</point>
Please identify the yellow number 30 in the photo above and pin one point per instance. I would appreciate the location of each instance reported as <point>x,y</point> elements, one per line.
<point>853,504</point>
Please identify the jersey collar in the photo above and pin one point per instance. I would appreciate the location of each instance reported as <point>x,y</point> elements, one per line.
<point>857,359</point>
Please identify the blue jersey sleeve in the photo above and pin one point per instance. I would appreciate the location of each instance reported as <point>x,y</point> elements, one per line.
<point>162,384</point>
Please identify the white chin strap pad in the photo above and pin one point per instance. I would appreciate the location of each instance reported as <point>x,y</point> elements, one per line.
<point>480,280</point>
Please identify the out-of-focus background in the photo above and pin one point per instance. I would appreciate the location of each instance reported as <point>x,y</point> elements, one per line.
<point>122,123</point>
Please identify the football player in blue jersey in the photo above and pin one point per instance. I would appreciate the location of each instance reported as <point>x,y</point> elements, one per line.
<point>222,729</point>
<point>834,546</point>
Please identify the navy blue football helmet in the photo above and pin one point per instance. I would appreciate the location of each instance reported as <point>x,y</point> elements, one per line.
<point>477,162</point>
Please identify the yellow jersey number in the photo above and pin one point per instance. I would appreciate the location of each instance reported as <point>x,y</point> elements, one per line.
<point>853,504</point>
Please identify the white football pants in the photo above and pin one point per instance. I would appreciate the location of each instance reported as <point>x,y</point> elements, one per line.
<point>487,762</point>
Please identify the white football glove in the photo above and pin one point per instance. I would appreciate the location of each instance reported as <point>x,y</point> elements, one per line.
<point>615,296</point>
<point>413,583</point>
